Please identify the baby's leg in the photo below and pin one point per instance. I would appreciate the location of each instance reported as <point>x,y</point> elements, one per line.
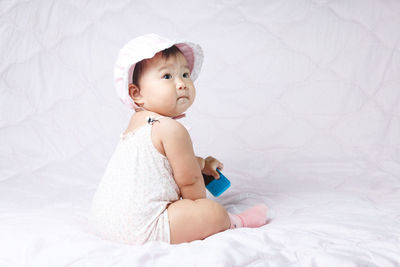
<point>196,219</point>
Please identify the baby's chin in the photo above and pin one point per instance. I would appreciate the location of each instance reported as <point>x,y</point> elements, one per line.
<point>180,112</point>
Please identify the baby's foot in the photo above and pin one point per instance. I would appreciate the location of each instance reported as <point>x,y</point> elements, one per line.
<point>253,217</point>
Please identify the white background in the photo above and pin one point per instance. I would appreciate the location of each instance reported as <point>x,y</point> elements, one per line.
<point>299,99</point>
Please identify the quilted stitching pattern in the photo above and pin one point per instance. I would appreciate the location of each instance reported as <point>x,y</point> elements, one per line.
<point>299,99</point>
<point>322,77</point>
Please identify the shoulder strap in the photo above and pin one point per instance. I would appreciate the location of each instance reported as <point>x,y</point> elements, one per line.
<point>151,120</point>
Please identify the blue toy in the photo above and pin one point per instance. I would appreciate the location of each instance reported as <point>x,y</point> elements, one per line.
<point>216,186</point>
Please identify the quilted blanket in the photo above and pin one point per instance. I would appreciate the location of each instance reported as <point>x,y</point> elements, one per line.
<point>299,99</point>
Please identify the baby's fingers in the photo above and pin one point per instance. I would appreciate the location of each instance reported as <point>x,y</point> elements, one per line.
<point>220,166</point>
<point>214,164</point>
<point>215,174</point>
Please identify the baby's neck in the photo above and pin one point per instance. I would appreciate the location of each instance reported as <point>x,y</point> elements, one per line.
<point>147,113</point>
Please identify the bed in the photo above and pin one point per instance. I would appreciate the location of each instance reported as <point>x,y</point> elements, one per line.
<point>299,99</point>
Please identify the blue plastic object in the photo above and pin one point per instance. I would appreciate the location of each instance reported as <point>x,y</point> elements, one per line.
<point>216,186</point>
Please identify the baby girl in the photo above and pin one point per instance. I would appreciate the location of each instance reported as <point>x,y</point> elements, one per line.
<point>153,188</point>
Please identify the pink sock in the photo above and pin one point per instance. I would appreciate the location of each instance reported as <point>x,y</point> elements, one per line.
<point>253,217</point>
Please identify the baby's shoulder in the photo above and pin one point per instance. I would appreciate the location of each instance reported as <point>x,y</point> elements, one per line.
<point>168,132</point>
<point>169,126</point>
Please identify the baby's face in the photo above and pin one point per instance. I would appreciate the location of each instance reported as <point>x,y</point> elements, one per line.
<point>166,86</point>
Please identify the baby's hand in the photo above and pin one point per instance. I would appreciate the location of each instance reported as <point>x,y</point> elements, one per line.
<point>210,166</point>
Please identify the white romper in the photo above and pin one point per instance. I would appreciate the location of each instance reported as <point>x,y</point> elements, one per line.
<point>130,204</point>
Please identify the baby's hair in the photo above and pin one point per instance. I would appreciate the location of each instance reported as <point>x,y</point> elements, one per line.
<point>139,67</point>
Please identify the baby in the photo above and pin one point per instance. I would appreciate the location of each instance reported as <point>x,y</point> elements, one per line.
<point>153,188</point>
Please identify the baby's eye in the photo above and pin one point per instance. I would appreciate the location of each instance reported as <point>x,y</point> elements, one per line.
<point>186,75</point>
<point>167,76</point>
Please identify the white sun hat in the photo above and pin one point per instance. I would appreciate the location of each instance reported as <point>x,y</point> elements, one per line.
<point>144,47</point>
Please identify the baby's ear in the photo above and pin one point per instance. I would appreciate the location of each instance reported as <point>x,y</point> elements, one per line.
<point>134,93</point>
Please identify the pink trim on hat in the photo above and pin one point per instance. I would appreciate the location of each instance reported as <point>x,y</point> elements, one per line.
<point>130,73</point>
<point>187,51</point>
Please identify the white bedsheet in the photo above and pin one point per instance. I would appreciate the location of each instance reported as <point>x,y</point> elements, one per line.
<point>299,99</point>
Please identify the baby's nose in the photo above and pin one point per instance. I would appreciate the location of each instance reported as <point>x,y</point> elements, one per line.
<point>180,84</point>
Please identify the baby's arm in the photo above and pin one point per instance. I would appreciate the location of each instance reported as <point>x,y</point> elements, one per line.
<point>194,217</point>
<point>179,151</point>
